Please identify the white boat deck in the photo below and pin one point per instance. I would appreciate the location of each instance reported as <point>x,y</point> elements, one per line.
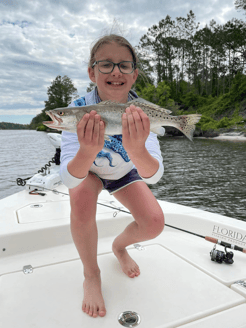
<point>179,286</point>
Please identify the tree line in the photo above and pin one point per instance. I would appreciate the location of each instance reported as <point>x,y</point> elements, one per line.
<point>208,59</point>
<point>13,126</point>
<point>196,70</point>
<point>185,69</point>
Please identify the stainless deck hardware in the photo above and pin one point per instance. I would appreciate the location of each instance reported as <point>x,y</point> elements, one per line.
<point>27,269</point>
<point>241,283</point>
<point>139,247</point>
<point>129,319</point>
<point>118,211</point>
<point>118,208</point>
<point>36,206</point>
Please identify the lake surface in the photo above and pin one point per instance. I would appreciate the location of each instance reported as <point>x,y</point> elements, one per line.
<point>205,174</point>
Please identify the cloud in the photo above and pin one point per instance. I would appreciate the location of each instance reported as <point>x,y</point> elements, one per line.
<point>40,40</point>
<point>22,111</point>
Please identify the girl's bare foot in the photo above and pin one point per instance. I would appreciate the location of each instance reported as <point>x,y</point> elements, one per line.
<point>93,303</point>
<point>129,267</point>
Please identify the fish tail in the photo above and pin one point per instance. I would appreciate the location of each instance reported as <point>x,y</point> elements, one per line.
<point>187,124</point>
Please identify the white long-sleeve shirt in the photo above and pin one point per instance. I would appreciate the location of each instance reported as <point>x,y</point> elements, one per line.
<point>112,162</point>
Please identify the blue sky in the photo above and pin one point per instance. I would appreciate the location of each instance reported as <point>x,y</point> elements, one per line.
<point>40,40</point>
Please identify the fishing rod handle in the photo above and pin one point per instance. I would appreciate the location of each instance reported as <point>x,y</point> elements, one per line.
<point>223,243</point>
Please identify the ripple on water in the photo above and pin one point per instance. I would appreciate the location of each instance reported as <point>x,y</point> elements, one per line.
<point>22,154</point>
<point>205,174</point>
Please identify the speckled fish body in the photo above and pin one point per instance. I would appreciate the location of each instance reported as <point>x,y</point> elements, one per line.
<point>66,119</point>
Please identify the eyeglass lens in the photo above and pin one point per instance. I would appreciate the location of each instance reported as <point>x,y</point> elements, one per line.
<point>107,67</point>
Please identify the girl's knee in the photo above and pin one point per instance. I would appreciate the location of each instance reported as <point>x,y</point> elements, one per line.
<point>156,225</point>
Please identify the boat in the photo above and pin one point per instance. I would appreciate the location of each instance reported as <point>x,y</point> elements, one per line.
<point>193,275</point>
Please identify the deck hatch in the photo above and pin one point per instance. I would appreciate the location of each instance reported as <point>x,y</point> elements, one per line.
<point>169,292</point>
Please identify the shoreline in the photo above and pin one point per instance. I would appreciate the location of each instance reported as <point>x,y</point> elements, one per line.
<point>227,137</point>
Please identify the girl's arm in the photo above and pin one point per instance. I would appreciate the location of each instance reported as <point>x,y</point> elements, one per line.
<point>78,151</point>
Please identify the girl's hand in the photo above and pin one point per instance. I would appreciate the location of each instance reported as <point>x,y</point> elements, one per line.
<point>135,130</point>
<point>90,130</point>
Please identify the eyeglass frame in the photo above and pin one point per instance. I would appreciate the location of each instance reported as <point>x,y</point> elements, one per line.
<point>134,66</point>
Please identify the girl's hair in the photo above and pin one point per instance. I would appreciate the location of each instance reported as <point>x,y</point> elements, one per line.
<point>107,39</point>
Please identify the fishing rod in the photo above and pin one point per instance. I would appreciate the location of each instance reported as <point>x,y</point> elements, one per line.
<point>216,255</point>
<point>212,240</point>
<point>35,192</point>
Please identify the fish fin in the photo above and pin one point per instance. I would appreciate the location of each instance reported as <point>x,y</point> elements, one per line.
<point>187,124</point>
<point>140,101</point>
<point>160,131</point>
<point>107,102</point>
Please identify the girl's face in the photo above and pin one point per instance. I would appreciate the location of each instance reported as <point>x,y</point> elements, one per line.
<point>115,85</point>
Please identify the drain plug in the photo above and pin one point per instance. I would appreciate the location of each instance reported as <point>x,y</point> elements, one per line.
<point>129,319</point>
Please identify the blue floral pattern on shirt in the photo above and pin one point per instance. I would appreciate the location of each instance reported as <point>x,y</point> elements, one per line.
<point>80,101</point>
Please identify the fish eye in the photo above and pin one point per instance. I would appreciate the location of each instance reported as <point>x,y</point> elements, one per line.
<point>61,113</point>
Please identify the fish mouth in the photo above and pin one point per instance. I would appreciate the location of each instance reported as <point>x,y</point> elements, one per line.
<point>56,121</point>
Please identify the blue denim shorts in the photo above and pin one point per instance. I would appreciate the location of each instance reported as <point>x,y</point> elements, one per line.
<point>114,185</point>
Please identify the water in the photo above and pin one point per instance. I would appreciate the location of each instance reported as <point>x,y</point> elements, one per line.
<point>22,154</point>
<point>205,174</point>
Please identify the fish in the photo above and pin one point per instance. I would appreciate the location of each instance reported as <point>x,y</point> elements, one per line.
<point>67,118</point>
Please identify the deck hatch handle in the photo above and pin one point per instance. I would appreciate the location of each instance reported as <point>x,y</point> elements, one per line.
<point>36,205</point>
<point>139,247</point>
<point>27,269</point>
<point>241,283</point>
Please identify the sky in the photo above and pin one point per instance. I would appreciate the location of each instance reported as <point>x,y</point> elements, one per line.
<point>41,39</point>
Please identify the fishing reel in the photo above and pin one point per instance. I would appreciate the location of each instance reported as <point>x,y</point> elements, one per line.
<point>220,256</point>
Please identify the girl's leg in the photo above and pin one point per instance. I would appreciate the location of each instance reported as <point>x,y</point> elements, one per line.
<point>148,224</point>
<point>83,201</point>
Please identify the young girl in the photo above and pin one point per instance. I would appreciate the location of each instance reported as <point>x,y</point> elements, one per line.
<point>122,165</point>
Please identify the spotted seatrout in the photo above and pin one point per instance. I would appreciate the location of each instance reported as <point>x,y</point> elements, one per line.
<point>66,119</point>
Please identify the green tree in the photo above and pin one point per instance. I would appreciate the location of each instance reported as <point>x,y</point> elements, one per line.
<point>240,4</point>
<point>207,59</point>
<point>159,48</point>
<point>159,95</point>
<point>60,94</point>
<point>90,87</point>
<point>169,47</point>
<point>144,72</point>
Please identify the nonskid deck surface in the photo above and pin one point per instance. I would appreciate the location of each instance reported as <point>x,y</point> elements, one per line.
<point>169,292</point>
<point>179,285</point>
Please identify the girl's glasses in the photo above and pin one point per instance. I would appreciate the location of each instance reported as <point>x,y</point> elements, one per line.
<point>106,67</point>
